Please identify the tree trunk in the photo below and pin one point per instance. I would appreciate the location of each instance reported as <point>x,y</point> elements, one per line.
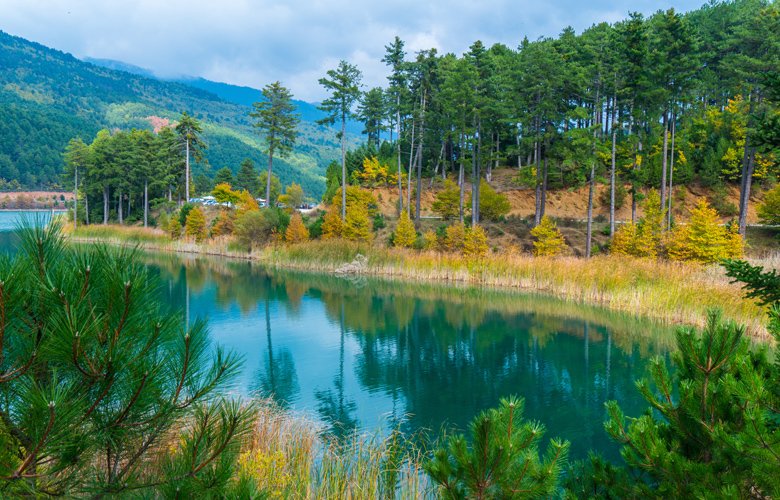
<point>747,175</point>
<point>460,177</point>
<point>419,182</point>
<point>186,175</point>
<point>86,205</point>
<point>119,206</point>
<point>665,152</point>
<point>268,177</point>
<point>76,198</point>
<point>398,148</point>
<point>671,175</point>
<point>412,158</point>
<point>590,210</point>
<point>105,205</point>
<point>538,208</point>
<point>146,202</point>
<point>544,188</point>
<point>612,175</point>
<point>343,170</point>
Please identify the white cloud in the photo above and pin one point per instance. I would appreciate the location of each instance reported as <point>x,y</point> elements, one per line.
<point>253,43</point>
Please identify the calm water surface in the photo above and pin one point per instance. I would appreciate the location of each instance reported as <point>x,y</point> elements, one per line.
<point>362,353</point>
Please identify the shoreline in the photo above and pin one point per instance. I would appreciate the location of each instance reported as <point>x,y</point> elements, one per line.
<point>671,293</point>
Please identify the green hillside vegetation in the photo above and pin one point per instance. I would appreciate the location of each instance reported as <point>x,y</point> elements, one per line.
<point>48,97</point>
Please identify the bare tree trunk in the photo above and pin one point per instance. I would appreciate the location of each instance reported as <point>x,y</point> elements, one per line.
<point>105,205</point>
<point>538,208</point>
<point>146,202</point>
<point>119,206</point>
<point>671,175</point>
<point>665,153</point>
<point>460,177</point>
<point>747,176</point>
<point>76,198</point>
<point>612,173</point>
<point>86,205</point>
<point>412,158</point>
<point>419,182</point>
<point>186,176</point>
<point>590,210</point>
<point>519,157</point>
<point>343,170</point>
<point>398,149</point>
<point>268,176</point>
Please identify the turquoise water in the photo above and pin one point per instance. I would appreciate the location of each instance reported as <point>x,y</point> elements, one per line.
<point>368,354</point>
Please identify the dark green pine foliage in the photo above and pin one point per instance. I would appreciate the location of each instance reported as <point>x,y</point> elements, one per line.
<point>372,111</point>
<point>247,178</point>
<point>500,459</point>
<point>103,392</point>
<point>189,130</point>
<point>224,176</point>
<point>343,83</point>
<point>277,123</point>
<point>202,185</point>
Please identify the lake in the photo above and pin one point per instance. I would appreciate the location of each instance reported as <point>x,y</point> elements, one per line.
<point>368,353</point>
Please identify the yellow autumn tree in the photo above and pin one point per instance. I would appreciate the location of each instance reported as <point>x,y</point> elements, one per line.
<point>245,203</point>
<point>292,197</point>
<point>225,223</point>
<point>475,242</point>
<point>643,239</point>
<point>549,241</point>
<point>492,205</point>
<point>447,204</point>
<point>454,236</point>
<point>703,240</point>
<point>224,194</point>
<point>332,227</point>
<point>196,224</point>
<point>405,235</point>
<point>430,240</point>
<point>174,228</point>
<point>296,231</point>
<point>357,225</point>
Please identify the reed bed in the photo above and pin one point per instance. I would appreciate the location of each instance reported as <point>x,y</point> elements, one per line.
<point>670,291</point>
<point>290,457</point>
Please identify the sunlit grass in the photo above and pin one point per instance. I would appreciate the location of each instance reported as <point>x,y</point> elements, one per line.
<point>290,457</point>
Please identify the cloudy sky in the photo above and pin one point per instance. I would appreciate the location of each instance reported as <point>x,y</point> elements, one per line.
<point>253,43</point>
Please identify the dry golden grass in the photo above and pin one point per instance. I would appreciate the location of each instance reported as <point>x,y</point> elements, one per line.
<point>290,458</point>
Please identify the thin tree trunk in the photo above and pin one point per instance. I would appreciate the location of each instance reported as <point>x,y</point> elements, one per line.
<point>590,210</point>
<point>419,182</point>
<point>268,177</point>
<point>460,177</point>
<point>747,176</point>
<point>343,169</point>
<point>86,205</point>
<point>412,158</point>
<point>538,208</point>
<point>105,205</point>
<point>665,153</point>
<point>612,174</point>
<point>475,214</point>
<point>119,206</point>
<point>544,188</point>
<point>146,202</point>
<point>398,149</point>
<point>76,198</point>
<point>671,175</point>
<point>186,174</point>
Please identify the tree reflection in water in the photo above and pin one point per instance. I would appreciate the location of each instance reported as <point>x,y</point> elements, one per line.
<point>438,353</point>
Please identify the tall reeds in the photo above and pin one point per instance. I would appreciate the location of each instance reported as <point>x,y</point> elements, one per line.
<point>290,457</point>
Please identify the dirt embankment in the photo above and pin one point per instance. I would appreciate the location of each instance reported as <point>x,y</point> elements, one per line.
<point>570,203</point>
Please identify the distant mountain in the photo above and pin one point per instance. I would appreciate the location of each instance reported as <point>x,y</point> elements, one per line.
<point>48,97</point>
<point>234,93</point>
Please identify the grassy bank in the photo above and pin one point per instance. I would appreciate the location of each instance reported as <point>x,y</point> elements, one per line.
<point>670,291</point>
<point>290,458</point>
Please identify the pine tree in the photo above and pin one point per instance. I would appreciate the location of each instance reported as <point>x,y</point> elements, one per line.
<point>196,225</point>
<point>246,179</point>
<point>189,128</point>
<point>549,241</point>
<point>128,405</point>
<point>344,85</point>
<point>500,459</point>
<point>405,234</point>
<point>296,231</point>
<point>277,124</point>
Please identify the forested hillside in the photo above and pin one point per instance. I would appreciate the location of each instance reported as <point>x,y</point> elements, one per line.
<point>48,97</point>
<point>659,101</point>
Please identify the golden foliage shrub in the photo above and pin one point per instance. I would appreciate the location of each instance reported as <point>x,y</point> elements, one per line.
<point>332,227</point>
<point>357,225</point>
<point>296,231</point>
<point>447,204</point>
<point>405,234</point>
<point>196,225</point>
<point>453,239</point>
<point>475,242</point>
<point>703,240</point>
<point>549,241</point>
